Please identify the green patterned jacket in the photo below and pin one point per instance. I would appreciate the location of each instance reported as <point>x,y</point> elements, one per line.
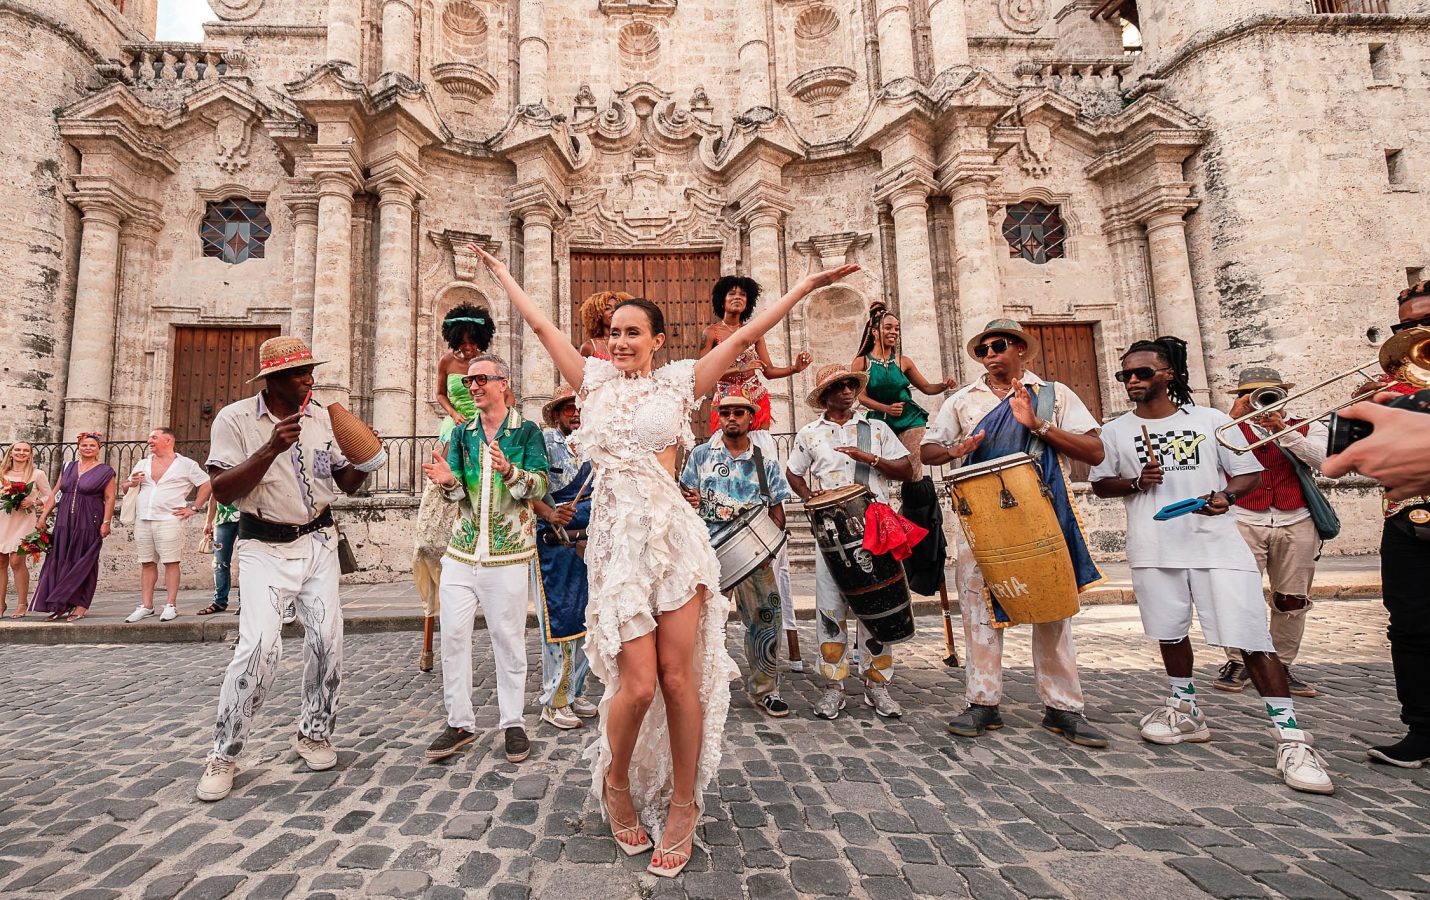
<point>497,526</point>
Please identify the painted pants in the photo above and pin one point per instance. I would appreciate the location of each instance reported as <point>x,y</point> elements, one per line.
<point>758,600</point>
<point>1287,553</point>
<point>1054,657</point>
<point>831,611</point>
<point>564,665</point>
<point>268,584</point>
<point>502,593</point>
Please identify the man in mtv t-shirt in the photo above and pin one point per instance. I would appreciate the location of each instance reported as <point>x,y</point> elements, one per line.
<point>1162,452</point>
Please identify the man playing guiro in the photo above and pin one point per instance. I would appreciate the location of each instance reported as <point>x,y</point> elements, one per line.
<point>559,588</point>
<point>834,451</point>
<point>1011,410</point>
<point>495,465</point>
<point>1163,452</point>
<point>274,456</point>
<point>164,479</point>
<point>723,478</point>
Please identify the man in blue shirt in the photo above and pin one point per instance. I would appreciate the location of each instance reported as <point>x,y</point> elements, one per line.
<point>722,479</point>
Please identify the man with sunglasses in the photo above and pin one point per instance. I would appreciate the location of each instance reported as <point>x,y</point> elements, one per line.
<point>839,448</point>
<point>722,479</point>
<point>495,467</point>
<point>1162,452</point>
<point>1011,410</point>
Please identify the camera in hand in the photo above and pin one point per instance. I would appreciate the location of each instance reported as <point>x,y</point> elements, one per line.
<point>1345,432</point>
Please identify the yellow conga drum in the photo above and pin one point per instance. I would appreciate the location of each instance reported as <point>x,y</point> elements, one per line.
<point>1010,523</point>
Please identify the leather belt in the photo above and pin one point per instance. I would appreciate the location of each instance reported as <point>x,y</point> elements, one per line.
<point>250,527</point>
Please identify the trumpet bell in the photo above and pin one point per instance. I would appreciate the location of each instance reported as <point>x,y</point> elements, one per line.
<point>1406,357</point>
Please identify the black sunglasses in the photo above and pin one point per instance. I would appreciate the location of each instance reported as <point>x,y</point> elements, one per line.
<point>733,411</point>
<point>480,380</point>
<point>1423,322</point>
<point>1141,373</point>
<point>997,346</point>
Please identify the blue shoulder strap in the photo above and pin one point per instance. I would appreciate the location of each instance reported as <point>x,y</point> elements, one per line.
<point>864,440</point>
<point>1044,409</point>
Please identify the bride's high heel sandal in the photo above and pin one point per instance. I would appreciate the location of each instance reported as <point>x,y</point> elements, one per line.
<point>672,871</point>
<point>623,833</point>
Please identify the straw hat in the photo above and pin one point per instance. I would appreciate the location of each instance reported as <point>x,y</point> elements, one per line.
<point>737,400</point>
<point>1258,377</point>
<point>827,376</point>
<point>1004,326</point>
<point>564,394</point>
<point>281,353</point>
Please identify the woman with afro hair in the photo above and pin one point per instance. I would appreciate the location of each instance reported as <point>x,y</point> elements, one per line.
<point>468,331</point>
<point>596,321</point>
<point>733,299</point>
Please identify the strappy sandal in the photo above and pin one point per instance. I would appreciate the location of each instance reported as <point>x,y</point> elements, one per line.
<point>55,616</point>
<point>211,609</point>
<point>620,831</point>
<point>75,615</point>
<point>672,871</point>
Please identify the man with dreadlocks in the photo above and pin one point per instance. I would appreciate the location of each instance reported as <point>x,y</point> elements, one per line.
<point>1162,452</point>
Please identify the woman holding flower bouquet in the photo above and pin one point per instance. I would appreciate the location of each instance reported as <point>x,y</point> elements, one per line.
<point>86,503</point>
<point>23,491</point>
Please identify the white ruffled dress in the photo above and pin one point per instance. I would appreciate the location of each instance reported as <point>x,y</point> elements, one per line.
<point>648,553</point>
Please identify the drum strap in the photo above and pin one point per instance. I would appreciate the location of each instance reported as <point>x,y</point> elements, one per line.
<point>864,440</point>
<point>1045,410</point>
<point>759,459</point>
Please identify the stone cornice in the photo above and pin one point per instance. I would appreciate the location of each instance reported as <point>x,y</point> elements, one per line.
<point>969,167</point>
<point>217,29</point>
<point>1172,198</point>
<point>100,192</point>
<point>99,137</point>
<point>1165,145</point>
<point>762,202</point>
<point>537,197</point>
<point>910,177</point>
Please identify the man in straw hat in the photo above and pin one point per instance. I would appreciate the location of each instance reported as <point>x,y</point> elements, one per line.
<point>830,452</point>
<point>722,479</point>
<point>1275,519</point>
<point>559,580</point>
<point>274,456</point>
<point>495,465</point>
<point>1010,410</point>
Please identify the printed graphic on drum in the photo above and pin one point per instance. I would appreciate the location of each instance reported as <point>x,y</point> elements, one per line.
<point>873,585</point>
<point>1009,521</point>
<point>745,544</point>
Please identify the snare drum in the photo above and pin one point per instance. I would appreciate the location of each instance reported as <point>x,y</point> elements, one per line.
<point>1010,523</point>
<point>748,542</point>
<point>873,586</point>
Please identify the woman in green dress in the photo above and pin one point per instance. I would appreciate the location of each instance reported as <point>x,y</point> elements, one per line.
<point>887,395</point>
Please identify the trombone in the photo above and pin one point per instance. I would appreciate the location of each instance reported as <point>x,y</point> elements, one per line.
<point>1405,358</point>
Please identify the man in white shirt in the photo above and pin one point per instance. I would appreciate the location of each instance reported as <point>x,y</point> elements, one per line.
<point>164,480</point>
<point>1163,452</point>
<point>829,453</point>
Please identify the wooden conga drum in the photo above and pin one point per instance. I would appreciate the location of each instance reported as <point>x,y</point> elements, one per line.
<point>1010,523</point>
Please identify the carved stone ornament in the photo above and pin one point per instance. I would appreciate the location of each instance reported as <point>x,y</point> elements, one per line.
<point>638,7</point>
<point>821,87</point>
<point>464,80</point>
<point>1023,16</point>
<point>235,10</point>
<point>233,133</point>
<point>1035,149</point>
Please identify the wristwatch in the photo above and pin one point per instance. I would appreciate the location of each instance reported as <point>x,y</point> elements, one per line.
<point>1230,497</point>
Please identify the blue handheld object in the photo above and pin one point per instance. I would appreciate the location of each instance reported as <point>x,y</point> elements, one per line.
<point>1180,508</point>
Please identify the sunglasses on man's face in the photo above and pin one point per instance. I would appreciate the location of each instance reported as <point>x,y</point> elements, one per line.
<point>1141,373</point>
<point>480,380</point>
<point>997,346</point>
<point>1423,322</point>
<point>733,413</point>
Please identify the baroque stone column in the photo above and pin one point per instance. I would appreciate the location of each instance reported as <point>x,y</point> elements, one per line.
<point>896,40</point>
<point>398,21</point>
<point>91,363</point>
<point>344,36</point>
<point>129,414</point>
<point>1174,298</point>
<point>918,310</point>
<point>393,394</point>
<point>531,55</point>
<point>538,373</point>
<point>304,207</point>
<point>753,50</point>
<point>332,288</point>
<point>765,268</point>
<point>948,27</point>
<point>974,263</point>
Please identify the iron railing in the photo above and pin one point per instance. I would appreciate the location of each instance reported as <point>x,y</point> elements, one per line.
<point>1331,7</point>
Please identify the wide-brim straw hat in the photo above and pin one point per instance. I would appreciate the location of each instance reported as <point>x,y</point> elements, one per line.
<point>282,353</point>
<point>829,375</point>
<point>1004,326</point>
<point>737,399</point>
<point>564,394</point>
<point>1257,377</point>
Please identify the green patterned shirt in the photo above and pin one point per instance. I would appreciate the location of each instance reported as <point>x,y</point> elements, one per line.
<point>497,526</point>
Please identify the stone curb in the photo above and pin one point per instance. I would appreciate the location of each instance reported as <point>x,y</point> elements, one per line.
<point>226,629</point>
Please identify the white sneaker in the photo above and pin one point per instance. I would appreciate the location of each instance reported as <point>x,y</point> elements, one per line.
<point>830,702</point>
<point>561,717</point>
<point>584,708</point>
<point>140,613</point>
<point>217,779</point>
<point>319,755</point>
<point>1175,722</point>
<point>170,613</point>
<point>796,665</point>
<point>290,613</point>
<point>1301,767</point>
<point>877,696</point>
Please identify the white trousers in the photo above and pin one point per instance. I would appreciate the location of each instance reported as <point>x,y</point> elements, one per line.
<point>502,592</point>
<point>267,584</point>
<point>786,593</point>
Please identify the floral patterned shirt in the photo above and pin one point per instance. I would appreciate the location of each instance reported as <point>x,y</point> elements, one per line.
<point>497,526</point>
<point>728,485</point>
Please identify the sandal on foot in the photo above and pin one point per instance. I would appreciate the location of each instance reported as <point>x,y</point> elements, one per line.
<point>55,616</point>
<point>672,871</point>
<point>21,613</point>
<point>211,609</point>
<point>75,615</point>
<point>623,833</point>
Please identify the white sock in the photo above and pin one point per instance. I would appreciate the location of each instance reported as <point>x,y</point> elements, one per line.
<point>1183,689</point>
<point>1282,711</point>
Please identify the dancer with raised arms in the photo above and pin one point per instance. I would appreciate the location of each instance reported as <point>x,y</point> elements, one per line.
<point>656,616</point>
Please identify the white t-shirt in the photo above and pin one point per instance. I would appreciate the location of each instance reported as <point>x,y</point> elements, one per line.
<point>1193,465</point>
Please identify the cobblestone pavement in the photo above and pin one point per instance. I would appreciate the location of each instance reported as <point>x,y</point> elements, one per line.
<point>101,747</point>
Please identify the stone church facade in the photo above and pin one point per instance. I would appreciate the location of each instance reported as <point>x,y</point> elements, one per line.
<point>1251,178</point>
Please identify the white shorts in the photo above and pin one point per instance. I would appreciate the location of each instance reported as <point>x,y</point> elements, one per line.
<point>159,540</point>
<point>1229,606</point>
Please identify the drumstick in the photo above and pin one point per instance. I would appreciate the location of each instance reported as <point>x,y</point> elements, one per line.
<point>951,660</point>
<point>1147,442</point>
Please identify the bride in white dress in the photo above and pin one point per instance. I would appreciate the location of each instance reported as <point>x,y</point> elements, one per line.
<point>656,618</point>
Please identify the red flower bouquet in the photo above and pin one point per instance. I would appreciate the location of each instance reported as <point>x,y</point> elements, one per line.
<point>13,494</point>
<point>36,544</point>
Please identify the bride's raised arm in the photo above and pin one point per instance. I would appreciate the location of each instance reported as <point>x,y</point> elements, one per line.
<point>712,365</point>
<point>568,359</point>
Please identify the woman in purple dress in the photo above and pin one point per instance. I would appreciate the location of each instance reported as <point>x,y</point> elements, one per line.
<point>86,502</point>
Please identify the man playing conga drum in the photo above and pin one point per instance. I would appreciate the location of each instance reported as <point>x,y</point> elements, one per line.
<point>1011,410</point>
<point>830,452</point>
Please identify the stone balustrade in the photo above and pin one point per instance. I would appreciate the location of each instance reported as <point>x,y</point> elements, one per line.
<point>1074,77</point>
<point>165,61</point>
